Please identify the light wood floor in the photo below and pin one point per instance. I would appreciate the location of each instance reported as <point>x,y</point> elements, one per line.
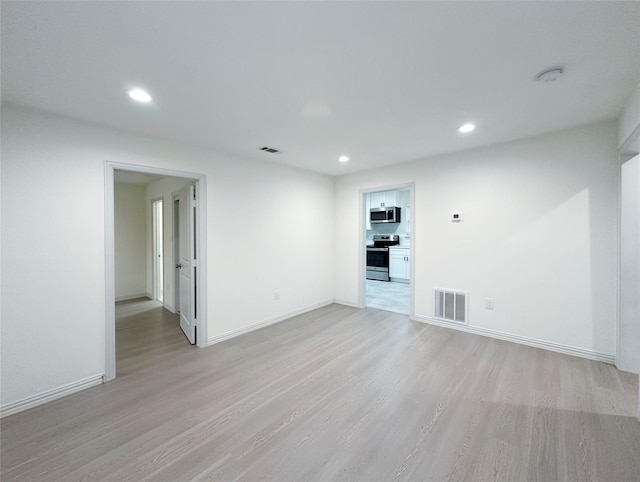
<point>146,334</point>
<point>336,394</point>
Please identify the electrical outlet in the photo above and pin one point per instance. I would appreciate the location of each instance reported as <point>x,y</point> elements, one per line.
<point>489,303</point>
<point>276,295</point>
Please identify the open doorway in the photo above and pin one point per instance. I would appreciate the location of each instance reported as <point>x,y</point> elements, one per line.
<point>156,314</point>
<point>157,234</point>
<point>387,277</point>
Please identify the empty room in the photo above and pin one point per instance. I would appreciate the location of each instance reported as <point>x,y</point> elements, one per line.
<point>471,170</point>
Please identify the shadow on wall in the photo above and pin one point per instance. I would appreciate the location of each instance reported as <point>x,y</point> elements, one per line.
<point>538,236</point>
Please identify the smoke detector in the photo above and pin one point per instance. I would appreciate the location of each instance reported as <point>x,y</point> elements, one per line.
<point>550,75</point>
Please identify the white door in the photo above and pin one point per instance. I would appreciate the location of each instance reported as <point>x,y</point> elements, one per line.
<point>187,263</point>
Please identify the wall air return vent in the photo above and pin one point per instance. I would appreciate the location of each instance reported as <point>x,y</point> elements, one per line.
<point>270,150</point>
<point>450,305</point>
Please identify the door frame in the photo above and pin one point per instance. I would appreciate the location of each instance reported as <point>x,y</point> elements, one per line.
<point>362,240</point>
<point>109,229</point>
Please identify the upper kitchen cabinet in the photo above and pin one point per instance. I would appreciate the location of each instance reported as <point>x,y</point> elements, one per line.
<point>404,198</point>
<point>384,199</point>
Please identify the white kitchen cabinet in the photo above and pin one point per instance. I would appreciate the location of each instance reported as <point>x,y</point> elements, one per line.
<point>405,200</point>
<point>399,266</point>
<point>384,199</point>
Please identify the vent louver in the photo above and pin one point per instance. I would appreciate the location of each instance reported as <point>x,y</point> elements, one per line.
<point>270,150</point>
<point>450,305</point>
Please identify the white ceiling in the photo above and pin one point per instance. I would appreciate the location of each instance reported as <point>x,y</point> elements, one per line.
<point>383,82</point>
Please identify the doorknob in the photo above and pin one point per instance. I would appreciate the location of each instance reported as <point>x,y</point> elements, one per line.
<point>178,266</point>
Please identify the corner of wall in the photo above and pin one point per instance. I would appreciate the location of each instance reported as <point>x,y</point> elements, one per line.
<point>629,126</point>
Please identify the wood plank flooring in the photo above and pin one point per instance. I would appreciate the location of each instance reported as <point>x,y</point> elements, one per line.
<point>334,394</point>
<point>146,334</point>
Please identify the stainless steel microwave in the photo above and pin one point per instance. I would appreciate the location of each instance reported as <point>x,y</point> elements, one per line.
<point>388,214</point>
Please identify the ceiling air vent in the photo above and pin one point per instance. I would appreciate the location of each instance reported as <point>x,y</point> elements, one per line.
<point>270,150</point>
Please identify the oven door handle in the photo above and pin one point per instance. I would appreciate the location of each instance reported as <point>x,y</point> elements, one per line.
<point>377,249</point>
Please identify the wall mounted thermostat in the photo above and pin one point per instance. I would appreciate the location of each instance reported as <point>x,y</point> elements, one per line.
<point>456,217</point>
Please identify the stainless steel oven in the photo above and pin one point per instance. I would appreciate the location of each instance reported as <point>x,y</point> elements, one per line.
<point>378,256</point>
<point>378,263</point>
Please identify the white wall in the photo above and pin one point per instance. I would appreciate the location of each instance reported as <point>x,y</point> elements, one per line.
<point>164,188</point>
<point>263,234</point>
<point>130,219</point>
<point>538,236</point>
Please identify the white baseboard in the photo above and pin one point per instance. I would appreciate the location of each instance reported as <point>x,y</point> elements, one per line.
<point>133,297</point>
<point>354,304</point>
<point>523,340</point>
<point>50,395</point>
<point>261,324</point>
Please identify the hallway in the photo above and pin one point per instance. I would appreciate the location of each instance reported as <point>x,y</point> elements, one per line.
<point>146,334</point>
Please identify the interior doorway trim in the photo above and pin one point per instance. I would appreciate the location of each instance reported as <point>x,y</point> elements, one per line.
<point>109,228</point>
<point>362,257</point>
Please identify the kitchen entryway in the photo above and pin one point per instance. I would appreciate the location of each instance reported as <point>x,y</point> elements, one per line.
<point>388,249</point>
<point>390,296</point>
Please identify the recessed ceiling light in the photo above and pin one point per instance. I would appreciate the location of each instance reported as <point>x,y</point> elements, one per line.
<point>550,75</point>
<point>343,158</point>
<point>464,128</point>
<point>140,95</point>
